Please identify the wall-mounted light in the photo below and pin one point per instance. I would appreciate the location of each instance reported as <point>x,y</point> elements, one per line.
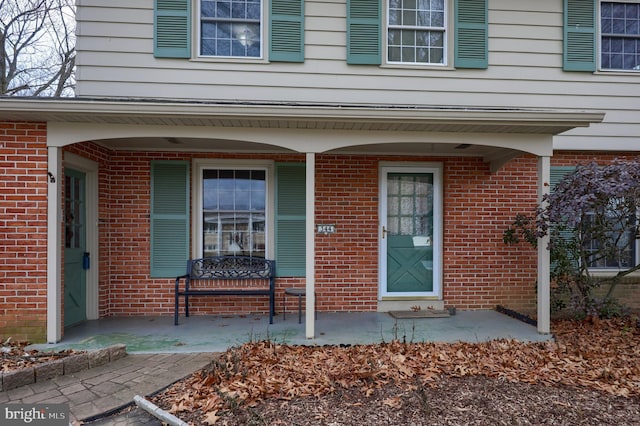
<point>52,178</point>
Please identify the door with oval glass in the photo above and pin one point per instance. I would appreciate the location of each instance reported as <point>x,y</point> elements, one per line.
<point>411,206</point>
<point>76,260</point>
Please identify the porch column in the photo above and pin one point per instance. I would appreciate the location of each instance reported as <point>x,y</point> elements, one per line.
<point>310,246</point>
<point>544,256</point>
<point>54,251</point>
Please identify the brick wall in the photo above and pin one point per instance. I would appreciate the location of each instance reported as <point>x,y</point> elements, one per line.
<point>23,228</point>
<point>479,271</point>
<point>347,261</point>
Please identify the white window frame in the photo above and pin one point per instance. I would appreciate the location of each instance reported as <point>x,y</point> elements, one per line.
<point>599,38</point>
<point>201,164</point>
<point>447,35</point>
<point>263,35</point>
<point>604,270</point>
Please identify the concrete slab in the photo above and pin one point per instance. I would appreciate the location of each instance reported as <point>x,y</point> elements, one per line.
<point>198,334</point>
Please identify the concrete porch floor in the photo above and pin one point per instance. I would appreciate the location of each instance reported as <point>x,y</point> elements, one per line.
<point>218,333</point>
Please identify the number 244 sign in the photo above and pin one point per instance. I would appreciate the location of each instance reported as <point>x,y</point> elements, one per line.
<point>326,229</point>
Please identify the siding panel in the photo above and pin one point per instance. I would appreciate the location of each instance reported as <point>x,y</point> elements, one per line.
<point>525,68</point>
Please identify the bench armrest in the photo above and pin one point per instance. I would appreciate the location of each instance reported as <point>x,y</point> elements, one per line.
<point>185,276</point>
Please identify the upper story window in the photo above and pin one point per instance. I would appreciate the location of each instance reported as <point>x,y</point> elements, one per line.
<point>231,28</point>
<point>620,36</point>
<point>416,31</point>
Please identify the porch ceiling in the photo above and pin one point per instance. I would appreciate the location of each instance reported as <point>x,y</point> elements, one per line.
<point>344,117</point>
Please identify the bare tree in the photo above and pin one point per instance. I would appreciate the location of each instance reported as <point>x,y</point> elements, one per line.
<point>37,47</point>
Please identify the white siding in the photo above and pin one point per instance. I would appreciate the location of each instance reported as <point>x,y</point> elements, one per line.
<point>115,59</point>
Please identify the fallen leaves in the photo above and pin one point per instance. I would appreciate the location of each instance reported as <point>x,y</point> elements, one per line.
<point>15,356</point>
<point>605,358</point>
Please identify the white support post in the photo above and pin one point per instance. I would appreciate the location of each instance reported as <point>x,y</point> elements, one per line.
<point>544,256</point>
<point>310,246</point>
<point>54,250</point>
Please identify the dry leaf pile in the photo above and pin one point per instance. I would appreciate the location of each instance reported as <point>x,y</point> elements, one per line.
<point>14,355</point>
<point>603,356</point>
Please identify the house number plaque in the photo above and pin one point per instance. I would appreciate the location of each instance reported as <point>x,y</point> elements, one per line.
<point>326,229</point>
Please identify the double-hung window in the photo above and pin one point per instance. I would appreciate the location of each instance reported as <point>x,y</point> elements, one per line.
<point>620,36</point>
<point>231,28</point>
<point>416,31</point>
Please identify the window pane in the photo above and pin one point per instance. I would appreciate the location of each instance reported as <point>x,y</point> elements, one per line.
<point>422,38</point>
<point>424,19</point>
<point>436,56</point>
<point>409,18</point>
<point>394,54</point>
<point>395,17</point>
<point>208,8</point>
<point>409,4</point>
<point>408,54</point>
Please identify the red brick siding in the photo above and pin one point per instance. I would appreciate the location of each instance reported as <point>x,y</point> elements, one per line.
<point>480,271</point>
<point>23,226</point>
<point>347,261</point>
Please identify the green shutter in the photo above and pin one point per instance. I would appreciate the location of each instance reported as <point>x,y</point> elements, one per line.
<point>471,34</point>
<point>579,35</point>
<point>287,31</point>
<point>364,39</point>
<point>290,219</point>
<point>172,29</point>
<point>169,218</point>
<point>556,175</point>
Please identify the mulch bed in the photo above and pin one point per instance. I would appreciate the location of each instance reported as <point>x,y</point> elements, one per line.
<point>589,375</point>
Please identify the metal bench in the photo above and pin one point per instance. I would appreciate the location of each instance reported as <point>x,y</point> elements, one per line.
<point>227,276</point>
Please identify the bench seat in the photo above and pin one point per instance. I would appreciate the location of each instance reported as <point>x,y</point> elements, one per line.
<point>226,276</point>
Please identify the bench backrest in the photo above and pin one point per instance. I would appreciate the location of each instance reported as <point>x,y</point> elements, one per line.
<point>231,268</point>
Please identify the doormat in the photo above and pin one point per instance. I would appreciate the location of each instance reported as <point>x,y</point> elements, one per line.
<point>426,313</point>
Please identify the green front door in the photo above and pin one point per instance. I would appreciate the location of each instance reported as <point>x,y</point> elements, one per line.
<point>75,259</point>
<point>411,232</point>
